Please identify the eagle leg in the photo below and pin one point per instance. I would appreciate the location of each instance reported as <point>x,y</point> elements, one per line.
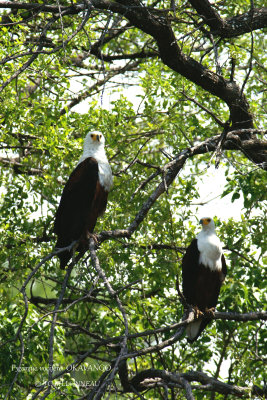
<point>93,236</point>
<point>197,312</point>
<point>210,312</point>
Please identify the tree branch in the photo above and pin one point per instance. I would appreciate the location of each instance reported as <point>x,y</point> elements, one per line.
<point>231,27</point>
<point>82,96</point>
<point>73,9</point>
<point>151,377</point>
<point>34,54</point>
<point>123,345</point>
<point>20,168</point>
<point>232,142</point>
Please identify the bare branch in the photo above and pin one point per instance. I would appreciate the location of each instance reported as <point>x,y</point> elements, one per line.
<point>73,9</point>
<point>146,378</point>
<point>128,67</point>
<point>219,122</point>
<point>42,43</point>
<point>20,168</point>
<point>232,141</point>
<point>188,390</point>
<point>235,26</point>
<point>53,326</point>
<point>231,316</point>
<point>123,346</point>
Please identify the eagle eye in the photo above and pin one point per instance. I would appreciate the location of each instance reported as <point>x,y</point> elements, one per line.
<point>208,219</point>
<point>92,135</point>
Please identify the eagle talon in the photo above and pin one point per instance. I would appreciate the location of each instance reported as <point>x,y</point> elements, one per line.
<point>197,312</point>
<point>210,311</point>
<point>93,236</point>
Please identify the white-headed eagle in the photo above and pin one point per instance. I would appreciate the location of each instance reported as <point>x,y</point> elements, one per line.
<point>203,272</point>
<point>84,197</point>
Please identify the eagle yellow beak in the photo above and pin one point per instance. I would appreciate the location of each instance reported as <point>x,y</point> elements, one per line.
<point>204,221</point>
<point>95,137</point>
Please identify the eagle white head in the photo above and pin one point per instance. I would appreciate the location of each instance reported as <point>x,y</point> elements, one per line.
<point>94,146</point>
<point>207,224</point>
<point>93,140</point>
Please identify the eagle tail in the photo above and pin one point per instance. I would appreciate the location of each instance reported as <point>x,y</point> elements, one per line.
<point>64,258</point>
<point>194,329</point>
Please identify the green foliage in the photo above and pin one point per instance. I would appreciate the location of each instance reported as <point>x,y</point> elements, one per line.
<point>43,139</point>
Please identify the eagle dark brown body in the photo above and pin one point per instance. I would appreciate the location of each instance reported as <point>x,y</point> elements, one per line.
<point>83,200</point>
<point>201,285</point>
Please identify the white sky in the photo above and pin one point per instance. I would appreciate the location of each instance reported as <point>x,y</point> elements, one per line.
<point>212,186</point>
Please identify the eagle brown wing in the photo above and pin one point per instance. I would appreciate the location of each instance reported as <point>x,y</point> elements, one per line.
<point>190,264</point>
<point>75,213</point>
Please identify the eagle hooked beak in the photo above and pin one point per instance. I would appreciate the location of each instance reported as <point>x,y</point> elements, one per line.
<point>94,136</point>
<point>204,221</point>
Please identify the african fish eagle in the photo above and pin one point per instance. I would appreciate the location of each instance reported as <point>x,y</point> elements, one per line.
<point>84,197</point>
<point>203,272</point>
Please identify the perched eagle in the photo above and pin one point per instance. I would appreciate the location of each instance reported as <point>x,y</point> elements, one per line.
<point>203,271</point>
<point>84,197</point>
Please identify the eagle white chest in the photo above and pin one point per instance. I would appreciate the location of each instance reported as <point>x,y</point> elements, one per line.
<point>210,250</point>
<point>105,175</point>
<point>104,170</point>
